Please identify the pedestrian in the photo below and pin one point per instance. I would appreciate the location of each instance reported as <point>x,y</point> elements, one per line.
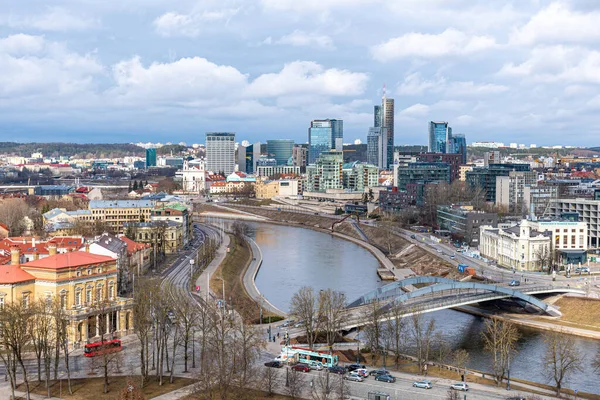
<point>278,335</point>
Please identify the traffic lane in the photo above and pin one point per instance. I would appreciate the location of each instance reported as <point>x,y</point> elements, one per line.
<point>398,390</point>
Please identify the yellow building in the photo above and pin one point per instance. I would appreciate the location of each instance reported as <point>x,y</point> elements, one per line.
<point>462,171</point>
<point>86,285</point>
<point>266,189</point>
<point>115,213</point>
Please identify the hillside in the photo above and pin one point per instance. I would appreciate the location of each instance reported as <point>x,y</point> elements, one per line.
<point>88,150</point>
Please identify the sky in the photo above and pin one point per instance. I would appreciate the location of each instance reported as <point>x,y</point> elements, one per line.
<point>525,71</point>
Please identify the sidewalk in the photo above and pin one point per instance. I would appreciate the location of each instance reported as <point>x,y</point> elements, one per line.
<point>203,280</point>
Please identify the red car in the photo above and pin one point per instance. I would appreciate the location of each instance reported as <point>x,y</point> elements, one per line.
<point>301,367</point>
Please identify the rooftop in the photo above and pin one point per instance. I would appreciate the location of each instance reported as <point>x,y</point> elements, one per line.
<point>121,204</point>
<point>14,274</point>
<point>67,260</point>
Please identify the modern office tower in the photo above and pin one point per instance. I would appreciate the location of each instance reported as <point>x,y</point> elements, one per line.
<point>377,147</point>
<point>150,158</point>
<point>440,135</point>
<point>281,150</point>
<point>322,136</point>
<point>220,152</point>
<point>422,173</point>
<point>377,116</point>
<point>248,156</point>
<point>485,178</point>
<point>387,114</point>
<point>355,152</point>
<point>459,146</point>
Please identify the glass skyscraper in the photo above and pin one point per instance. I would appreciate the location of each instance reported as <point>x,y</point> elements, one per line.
<point>281,150</point>
<point>220,152</point>
<point>440,135</point>
<point>459,146</point>
<point>150,158</point>
<point>387,114</point>
<point>377,116</point>
<point>322,136</point>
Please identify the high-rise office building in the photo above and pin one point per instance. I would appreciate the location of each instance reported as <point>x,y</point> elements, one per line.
<point>459,146</point>
<point>324,135</point>
<point>150,158</point>
<point>300,156</point>
<point>387,119</point>
<point>326,172</point>
<point>220,152</point>
<point>377,116</point>
<point>248,156</point>
<point>281,150</point>
<point>377,147</point>
<point>440,135</point>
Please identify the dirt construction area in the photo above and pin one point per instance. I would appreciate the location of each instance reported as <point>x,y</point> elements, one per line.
<point>402,253</point>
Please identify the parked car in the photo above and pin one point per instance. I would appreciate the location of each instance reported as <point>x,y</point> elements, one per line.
<point>354,367</point>
<point>460,386</point>
<point>385,378</point>
<point>274,364</point>
<point>514,283</point>
<point>413,236</point>
<point>301,367</point>
<point>299,324</point>
<point>354,377</point>
<point>452,256</point>
<point>317,366</point>
<point>362,372</point>
<point>424,384</point>
<point>336,369</point>
<point>377,372</point>
<point>582,270</point>
<point>515,398</point>
<point>438,250</point>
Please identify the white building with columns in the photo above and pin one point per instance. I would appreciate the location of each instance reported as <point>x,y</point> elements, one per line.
<point>194,176</point>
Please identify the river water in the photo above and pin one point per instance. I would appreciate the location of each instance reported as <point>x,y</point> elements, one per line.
<point>296,257</point>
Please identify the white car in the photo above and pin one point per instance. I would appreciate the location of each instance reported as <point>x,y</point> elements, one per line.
<point>316,366</point>
<point>354,377</point>
<point>460,386</point>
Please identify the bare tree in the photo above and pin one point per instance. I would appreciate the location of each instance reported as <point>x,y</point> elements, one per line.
<point>395,331</point>
<point>323,386</point>
<point>342,388</point>
<point>294,382</point>
<point>422,335</point>
<point>500,340</point>
<point>269,380</point>
<point>43,337</point>
<point>62,337</point>
<point>304,306</point>
<point>15,331</point>
<point>461,359</point>
<point>373,328</point>
<point>332,308</point>
<point>12,212</point>
<point>561,358</point>
<point>544,257</point>
<point>144,321</point>
<point>186,311</point>
<point>442,349</point>
<point>452,394</point>
<point>107,361</point>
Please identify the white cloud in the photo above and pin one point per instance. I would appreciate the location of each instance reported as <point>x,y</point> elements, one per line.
<point>414,85</point>
<point>55,19</point>
<point>33,66</point>
<point>300,38</point>
<point>182,81</point>
<point>191,25</point>
<point>305,77</point>
<point>556,64</point>
<point>416,110</point>
<point>448,43</point>
<point>309,6</point>
<point>559,24</point>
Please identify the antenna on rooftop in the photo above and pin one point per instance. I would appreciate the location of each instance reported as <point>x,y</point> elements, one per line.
<point>384,95</point>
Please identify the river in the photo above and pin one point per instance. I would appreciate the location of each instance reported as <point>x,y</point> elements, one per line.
<point>296,257</point>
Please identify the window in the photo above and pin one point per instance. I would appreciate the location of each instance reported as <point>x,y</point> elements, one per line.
<point>78,297</point>
<point>111,291</point>
<point>573,240</point>
<point>565,240</point>
<point>99,294</point>
<point>78,273</point>
<point>1,303</point>
<point>88,296</point>
<point>89,271</point>
<point>25,300</point>
<point>63,300</point>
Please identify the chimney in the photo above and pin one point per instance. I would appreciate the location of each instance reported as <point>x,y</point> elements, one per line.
<point>15,255</point>
<point>52,249</point>
<point>36,256</point>
<point>87,247</point>
<point>33,241</point>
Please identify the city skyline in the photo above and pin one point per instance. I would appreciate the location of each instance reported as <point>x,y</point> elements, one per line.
<point>79,72</point>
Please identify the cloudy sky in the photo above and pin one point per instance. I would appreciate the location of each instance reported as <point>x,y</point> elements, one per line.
<point>525,71</point>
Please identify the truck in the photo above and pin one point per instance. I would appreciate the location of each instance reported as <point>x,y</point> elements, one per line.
<point>462,267</point>
<point>378,396</point>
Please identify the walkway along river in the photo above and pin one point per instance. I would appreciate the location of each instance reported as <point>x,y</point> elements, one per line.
<point>296,257</point>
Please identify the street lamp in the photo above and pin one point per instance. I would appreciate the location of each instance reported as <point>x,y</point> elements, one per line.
<point>191,268</point>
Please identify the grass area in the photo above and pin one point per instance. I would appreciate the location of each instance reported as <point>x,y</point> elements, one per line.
<point>248,394</point>
<point>93,388</point>
<point>231,271</point>
<point>580,311</point>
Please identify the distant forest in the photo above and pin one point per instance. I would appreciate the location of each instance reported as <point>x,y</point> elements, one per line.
<point>97,150</point>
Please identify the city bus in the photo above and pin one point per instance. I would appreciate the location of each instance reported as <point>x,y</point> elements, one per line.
<point>100,348</point>
<point>308,356</point>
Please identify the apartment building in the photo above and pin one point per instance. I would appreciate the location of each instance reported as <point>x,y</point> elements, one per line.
<point>588,211</point>
<point>116,213</point>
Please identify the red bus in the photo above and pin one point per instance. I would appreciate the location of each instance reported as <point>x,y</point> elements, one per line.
<point>99,348</point>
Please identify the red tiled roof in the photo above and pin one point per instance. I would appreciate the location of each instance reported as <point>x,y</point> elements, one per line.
<point>3,226</point>
<point>14,274</point>
<point>25,244</point>
<point>66,260</point>
<point>132,246</point>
